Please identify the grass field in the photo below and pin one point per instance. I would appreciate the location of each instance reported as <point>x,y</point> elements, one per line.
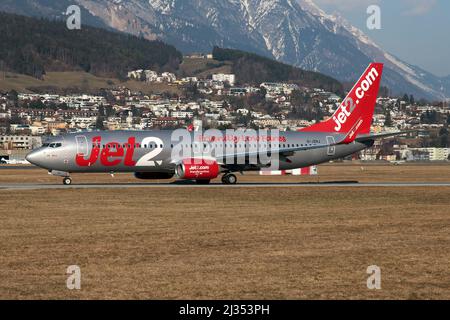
<point>204,68</point>
<point>327,173</point>
<point>83,80</point>
<point>229,243</point>
<point>89,82</point>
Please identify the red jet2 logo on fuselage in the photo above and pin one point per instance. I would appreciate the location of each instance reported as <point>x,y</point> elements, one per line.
<point>112,155</point>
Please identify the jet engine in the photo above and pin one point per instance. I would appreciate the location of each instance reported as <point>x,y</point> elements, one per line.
<point>197,169</point>
<point>153,175</point>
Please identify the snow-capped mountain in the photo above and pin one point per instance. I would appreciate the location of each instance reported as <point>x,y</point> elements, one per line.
<point>292,31</point>
<point>410,75</point>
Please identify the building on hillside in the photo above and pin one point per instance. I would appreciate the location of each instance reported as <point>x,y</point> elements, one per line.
<point>222,77</point>
<point>436,154</point>
<point>17,142</point>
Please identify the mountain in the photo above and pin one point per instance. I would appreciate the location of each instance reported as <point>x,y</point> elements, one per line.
<point>296,32</point>
<point>33,46</point>
<point>52,9</point>
<point>36,47</point>
<point>399,75</point>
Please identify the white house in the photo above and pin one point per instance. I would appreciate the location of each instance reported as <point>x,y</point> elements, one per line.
<point>222,77</point>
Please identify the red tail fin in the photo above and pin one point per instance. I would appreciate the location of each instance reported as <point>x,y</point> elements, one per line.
<point>354,115</point>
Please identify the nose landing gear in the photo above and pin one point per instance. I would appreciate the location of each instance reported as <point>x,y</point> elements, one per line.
<point>229,178</point>
<point>65,175</point>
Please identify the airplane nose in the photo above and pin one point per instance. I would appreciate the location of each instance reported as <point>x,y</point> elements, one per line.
<point>34,157</point>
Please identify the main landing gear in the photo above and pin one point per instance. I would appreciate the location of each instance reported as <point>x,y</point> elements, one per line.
<point>229,178</point>
<point>67,181</point>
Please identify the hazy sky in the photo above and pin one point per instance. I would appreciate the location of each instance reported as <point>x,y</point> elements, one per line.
<point>417,31</point>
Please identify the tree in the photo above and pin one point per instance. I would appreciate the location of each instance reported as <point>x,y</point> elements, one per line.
<point>388,119</point>
<point>143,77</point>
<point>191,91</point>
<point>136,112</point>
<point>30,45</point>
<point>319,115</point>
<point>99,123</point>
<point>406,98</point>
<point>384,91</point>
<point>110,111</point>
<point>36,104</point>
<point>13,96</point>
<point>101,110</point>
<point>443,137</point>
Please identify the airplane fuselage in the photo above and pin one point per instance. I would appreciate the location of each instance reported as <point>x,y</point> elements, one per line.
<point>151,151</point>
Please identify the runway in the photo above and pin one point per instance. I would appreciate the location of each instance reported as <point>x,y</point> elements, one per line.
<point>18,167</point>
<point>341,184</point>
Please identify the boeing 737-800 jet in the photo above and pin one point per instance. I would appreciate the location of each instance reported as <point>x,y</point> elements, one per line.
<point>161,154</point>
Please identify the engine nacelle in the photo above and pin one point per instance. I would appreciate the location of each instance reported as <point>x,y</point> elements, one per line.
<point>197,169</point>
<point>153,175</point>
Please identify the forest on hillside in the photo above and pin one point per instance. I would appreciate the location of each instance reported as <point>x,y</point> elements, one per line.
<point>252,68</point>
<point>34,46</point>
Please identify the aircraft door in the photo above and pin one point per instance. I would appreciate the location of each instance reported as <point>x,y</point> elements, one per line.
<point>331,146</point>
<point>82,145</point>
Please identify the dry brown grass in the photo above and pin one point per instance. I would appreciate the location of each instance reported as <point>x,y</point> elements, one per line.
<point>204,67</point>
<point>226,243</point>
<point>23,83</point>
<point>327,173</point>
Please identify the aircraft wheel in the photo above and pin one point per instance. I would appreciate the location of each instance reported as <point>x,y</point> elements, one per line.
<point>202,181</point>
<point>67,181</point>
<point>229,179</point>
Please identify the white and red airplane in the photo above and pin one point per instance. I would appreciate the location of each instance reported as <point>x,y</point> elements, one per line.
<point>203,156</point>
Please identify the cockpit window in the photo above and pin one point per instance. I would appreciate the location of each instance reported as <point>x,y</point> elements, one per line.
<point>55,145</point>
<point>45,145</point>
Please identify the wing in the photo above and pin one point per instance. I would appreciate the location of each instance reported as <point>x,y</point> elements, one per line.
<point>366,137</point>
<point>282,152</point>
